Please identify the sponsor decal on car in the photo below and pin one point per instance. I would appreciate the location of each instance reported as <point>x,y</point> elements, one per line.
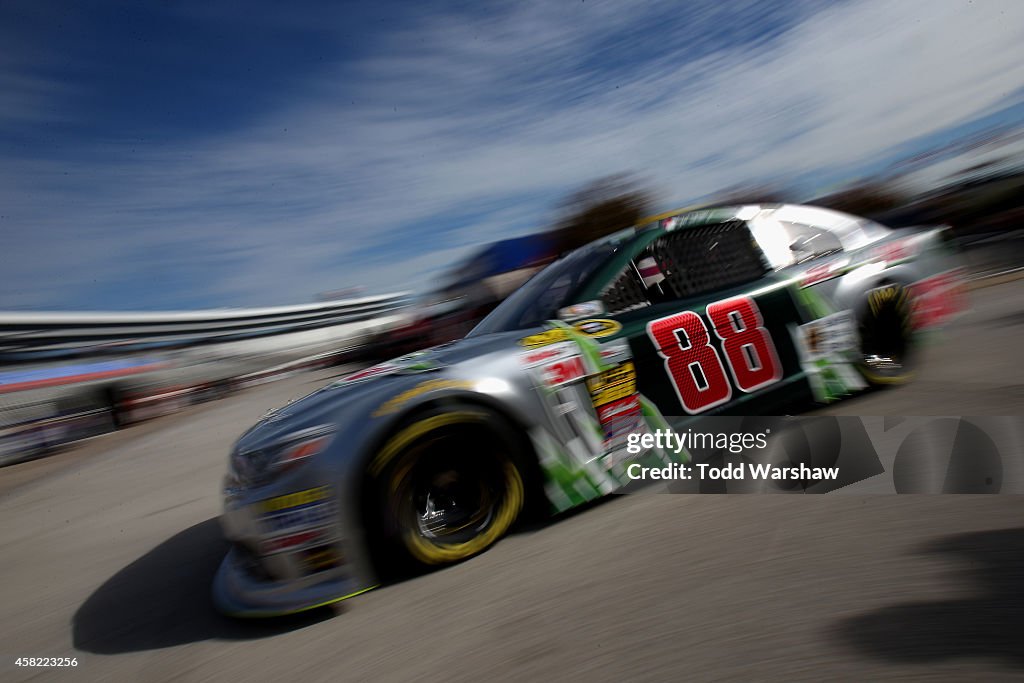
<point>833,335</point>
<point>555,365</point>
<point>296,499</point>
<point>619,407</point>
<point>318,559</point>
<point>612,353</point>
<point>303,517</point>
<point>549,353</point>
<point>416,362</point>
<point>598,327</point>
<point>613,385</point>
<point>878,298</point>
<point>563,371</point>
<point>294,541</point>
<point>827,348</point>
<point>824,271</point>
<point>545,338</point>
<point>619,419</point>
<point>296,521</point>
<point>372,371</point>
<point>587,309</point>
<point>895,252</point>
<point>937,299</point>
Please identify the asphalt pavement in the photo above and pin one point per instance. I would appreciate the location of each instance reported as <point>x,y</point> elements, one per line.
<point>110,546</point>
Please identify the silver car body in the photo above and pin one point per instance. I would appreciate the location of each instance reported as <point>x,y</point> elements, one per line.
<point>297,536</point>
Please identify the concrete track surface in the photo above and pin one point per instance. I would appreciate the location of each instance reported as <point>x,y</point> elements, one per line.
<point>109,548</point>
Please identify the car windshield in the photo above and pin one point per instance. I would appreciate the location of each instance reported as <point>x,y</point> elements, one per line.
<point>547,291</point>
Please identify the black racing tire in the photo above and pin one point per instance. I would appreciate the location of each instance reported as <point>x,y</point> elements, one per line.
<point>446,486</point>
<point>885,326</point>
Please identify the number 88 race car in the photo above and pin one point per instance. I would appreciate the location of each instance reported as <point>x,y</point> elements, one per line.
<point>429,459</point>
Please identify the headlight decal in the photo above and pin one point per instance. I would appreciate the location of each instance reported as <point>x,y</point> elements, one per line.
<point>256,466</point>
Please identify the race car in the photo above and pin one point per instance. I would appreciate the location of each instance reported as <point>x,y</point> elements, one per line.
<point>429,459</point>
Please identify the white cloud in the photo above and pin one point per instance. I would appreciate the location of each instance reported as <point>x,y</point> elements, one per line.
<point>499,116</point>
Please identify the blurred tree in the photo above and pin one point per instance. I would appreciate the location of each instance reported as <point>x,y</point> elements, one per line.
<point>753,194</point>
<point>869,198</point>
<point>600,208</point>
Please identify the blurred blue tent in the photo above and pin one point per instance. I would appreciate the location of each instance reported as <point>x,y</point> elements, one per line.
<point>500,266</point>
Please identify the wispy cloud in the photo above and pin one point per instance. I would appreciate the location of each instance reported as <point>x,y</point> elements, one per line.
<point>454,127</point>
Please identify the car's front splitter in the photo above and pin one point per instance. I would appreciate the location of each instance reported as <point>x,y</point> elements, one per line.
<point>237,594</point>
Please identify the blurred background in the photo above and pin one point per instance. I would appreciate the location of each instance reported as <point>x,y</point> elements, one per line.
<point>66,376</point>
<point>209,208</point>
<point>178,179</point>
<point>199,197</point>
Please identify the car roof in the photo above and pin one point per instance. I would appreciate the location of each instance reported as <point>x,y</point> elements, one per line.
<point>851,230</point>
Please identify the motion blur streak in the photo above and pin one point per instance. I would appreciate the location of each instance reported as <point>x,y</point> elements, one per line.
<point>190,156</point>
<point>716,586</point>
<point>76,375</point>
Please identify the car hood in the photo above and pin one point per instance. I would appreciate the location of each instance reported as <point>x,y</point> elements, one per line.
<point>356,395</point>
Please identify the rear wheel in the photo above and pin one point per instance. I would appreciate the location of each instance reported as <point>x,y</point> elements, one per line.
<point>446,487</point>
<point>885,327</point>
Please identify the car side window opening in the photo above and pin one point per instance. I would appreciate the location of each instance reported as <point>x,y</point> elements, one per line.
<point>808,242</point>
<point>546,292</point>
<point>686,263</point>
<point>626,292</point>
<point>787,243</point>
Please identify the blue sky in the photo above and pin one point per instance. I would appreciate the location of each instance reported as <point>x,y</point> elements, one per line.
<point>168,155</point>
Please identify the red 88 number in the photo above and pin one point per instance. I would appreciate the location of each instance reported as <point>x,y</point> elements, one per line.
<point>748,346</point>
<point>693,364</point>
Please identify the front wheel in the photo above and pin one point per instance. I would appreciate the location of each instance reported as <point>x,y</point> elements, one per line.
<point>446,487</point>
<point>886,329</point>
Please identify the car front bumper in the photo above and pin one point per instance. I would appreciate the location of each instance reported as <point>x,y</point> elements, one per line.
<point>290,552</point>
<point>237,593</point>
